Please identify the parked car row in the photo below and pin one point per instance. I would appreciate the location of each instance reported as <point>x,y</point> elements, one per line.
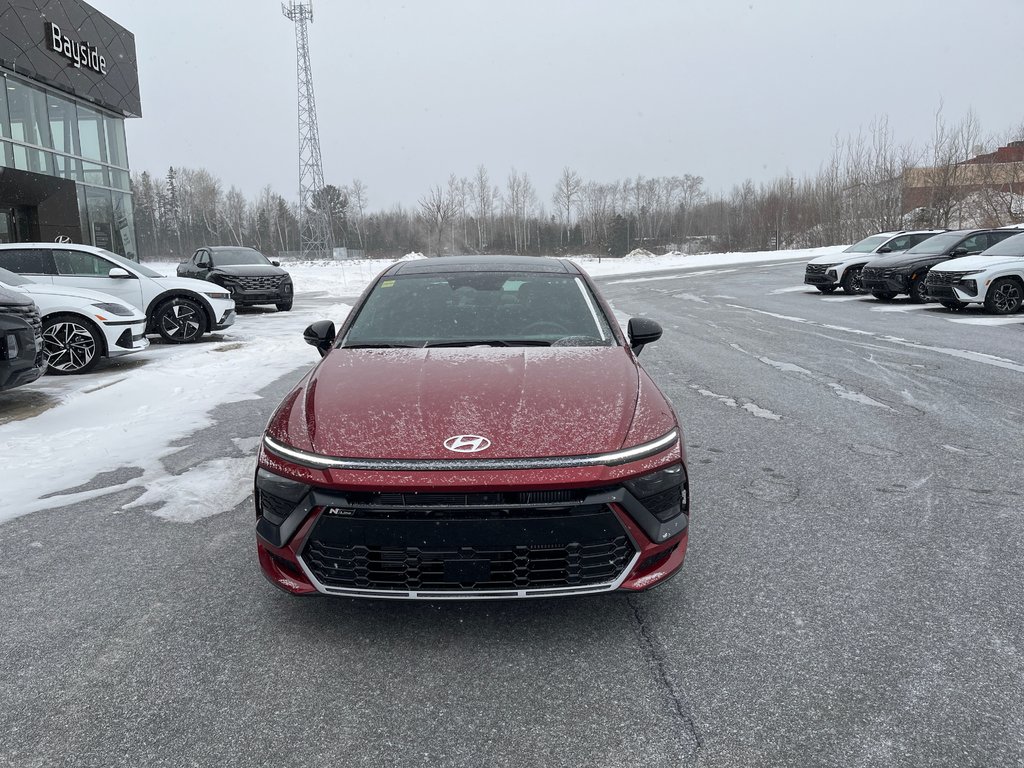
<point>65,306</point>
<point>953,267</point>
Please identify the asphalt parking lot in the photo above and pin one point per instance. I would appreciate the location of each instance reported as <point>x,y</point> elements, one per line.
<point>851,597</point>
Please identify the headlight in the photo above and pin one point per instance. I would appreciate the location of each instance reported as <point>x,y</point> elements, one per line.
<point>217,294</point>
<point>972,272</point>
<point>664,493</point>
<point>115,309</point>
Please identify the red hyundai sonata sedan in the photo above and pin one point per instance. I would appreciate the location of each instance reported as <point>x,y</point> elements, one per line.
<point>477,428</point>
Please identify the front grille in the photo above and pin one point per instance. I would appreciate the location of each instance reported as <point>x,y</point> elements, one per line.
<point>478,553</point>
<point>940,292</point>
<point>495,498</point>
<point>816,269</point>
<point>30,314</point>
<point>259,282</point>
<point>943,278</point>
<point>870,273</point>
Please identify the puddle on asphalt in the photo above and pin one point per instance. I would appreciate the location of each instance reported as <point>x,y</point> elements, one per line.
<point>20,404</point>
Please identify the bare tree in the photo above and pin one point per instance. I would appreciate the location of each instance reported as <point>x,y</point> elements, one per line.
<point>567,190</point>
<point>437,208</point>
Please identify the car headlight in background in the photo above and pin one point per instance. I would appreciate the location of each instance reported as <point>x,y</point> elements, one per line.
<point>217,294</point>
<point>115,309</point>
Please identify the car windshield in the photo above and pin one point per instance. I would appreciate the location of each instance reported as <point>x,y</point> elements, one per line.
<point>1011,246</point>
<point>936,245</point>
<point>868,244</point>
<point>129,264</point>
<point>11,278</point>
<point>486,308</point>
<point>238,256</point>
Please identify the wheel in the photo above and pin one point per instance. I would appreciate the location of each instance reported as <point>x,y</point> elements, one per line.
<point>1004,296</point>
<point>180,321</point>
<point>284,306</point>
<point>72,344</point>
<point>884,295</point>
<point>918,292</point>
<point>954,305</point>
<point>825,288</point>
<point>851,281</point>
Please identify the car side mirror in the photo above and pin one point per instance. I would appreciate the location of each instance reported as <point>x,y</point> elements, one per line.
<point>275,263</point>
<point>961,251</point>
<point>642,331</point>
<point>884,249</point>
<point>119,274</point>
<point>321,335</point>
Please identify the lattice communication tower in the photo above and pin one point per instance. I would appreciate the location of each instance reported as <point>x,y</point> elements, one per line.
<point>314,224</point>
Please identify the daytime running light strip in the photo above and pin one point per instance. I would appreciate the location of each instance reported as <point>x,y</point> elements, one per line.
<point>615,458</point>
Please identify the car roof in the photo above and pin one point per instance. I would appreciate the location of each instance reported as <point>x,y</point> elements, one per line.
<point>483,264</point>
<point>73,246</point>
<point>228,248</point>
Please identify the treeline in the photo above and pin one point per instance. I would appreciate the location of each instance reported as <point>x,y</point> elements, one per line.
<point>858,190</point>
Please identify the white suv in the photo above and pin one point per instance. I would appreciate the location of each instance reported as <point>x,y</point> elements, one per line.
<point>994,277</point>
<point>180,309</point>
<point>826,273</point>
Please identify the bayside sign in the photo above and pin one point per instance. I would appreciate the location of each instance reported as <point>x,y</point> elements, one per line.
<point>80,54</point>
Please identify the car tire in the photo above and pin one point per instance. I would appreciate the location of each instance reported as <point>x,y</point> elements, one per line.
<point>284,306</point>
<point>72,344</point>
<point>918,291</point>
<point>953,305</point>
<point>180,320</point>
<point>1004,296</point>
<point>884,295</point>
<point>825,288</point>
<point>851,281</point>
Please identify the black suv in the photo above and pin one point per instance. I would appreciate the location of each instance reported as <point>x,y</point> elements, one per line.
<point>905,272</point>
<point>250,276</point>
<point>22,359</point>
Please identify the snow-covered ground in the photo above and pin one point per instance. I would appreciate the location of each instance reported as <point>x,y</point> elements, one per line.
<point>131,414</point>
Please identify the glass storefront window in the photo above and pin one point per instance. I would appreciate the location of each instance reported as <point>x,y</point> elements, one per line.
<point>119,179</point>
<point>117,149</point>
<point>95,174</point>
<point>34,160</point>
<point>68,167</point>
<point>90,129</point>
<point>63,124</point>
<point>6,154</point>
<point>5,117</point>
<point>124,224</point>
<point>101,218</point>
<point>28,114</point>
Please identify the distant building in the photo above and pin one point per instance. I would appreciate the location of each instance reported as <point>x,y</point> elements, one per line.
<point>999,171</point>
<point>70,80</point>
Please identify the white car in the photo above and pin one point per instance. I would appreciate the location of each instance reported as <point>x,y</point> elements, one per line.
<point>994,278</point>
<point>180,309</point>
<point>81,326</point>
<point>826,273</point>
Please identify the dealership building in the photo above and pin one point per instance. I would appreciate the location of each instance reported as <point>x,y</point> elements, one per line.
<point>70,80</point>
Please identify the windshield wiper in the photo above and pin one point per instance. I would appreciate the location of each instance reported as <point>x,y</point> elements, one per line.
<point>377,346</point>
<point>490,343</point>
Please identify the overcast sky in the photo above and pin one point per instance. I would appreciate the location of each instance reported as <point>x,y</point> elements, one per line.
<point>410,92</point>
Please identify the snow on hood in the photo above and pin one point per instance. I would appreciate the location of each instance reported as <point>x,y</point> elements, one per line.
<point>249,269</point>
<point>978,261</point>
<point>404,403</point>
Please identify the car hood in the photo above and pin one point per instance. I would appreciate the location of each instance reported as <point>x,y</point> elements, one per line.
<point>38,289</point>
<point>249,270</point>
<point>528,401</point>
<point>904,259</point>
<point>188,283</point>
<point>834,258</point>
<point>967,263</point>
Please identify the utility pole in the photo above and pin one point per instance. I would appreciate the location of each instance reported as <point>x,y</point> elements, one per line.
<point>314,227</point>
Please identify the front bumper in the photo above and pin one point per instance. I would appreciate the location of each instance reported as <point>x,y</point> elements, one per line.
<point>22,358</point>
<point>821,275</point>
<point>226,320</point>
<point>485,539</point>
<point>244,298</point>
<point>124,338</point>
<point>892,283</point>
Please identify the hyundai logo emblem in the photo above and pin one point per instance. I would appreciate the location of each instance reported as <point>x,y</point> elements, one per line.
<point>467,443</point>
<point>62,239</point>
